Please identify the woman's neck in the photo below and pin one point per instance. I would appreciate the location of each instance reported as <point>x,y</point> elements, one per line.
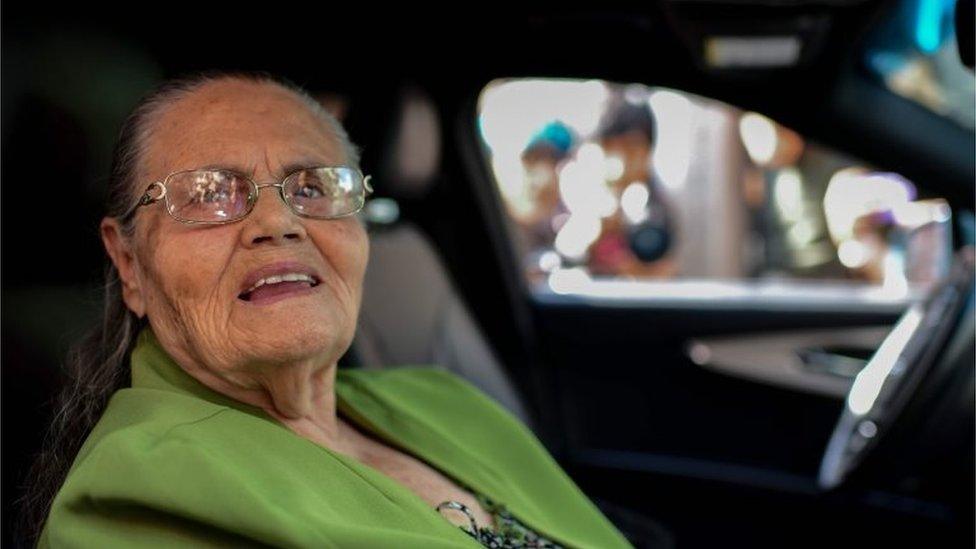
<point>299,396</point>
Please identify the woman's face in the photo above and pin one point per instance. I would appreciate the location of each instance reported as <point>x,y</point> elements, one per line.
<point>189,280</point>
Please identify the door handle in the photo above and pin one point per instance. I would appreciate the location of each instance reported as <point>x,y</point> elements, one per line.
<point>843,362</point>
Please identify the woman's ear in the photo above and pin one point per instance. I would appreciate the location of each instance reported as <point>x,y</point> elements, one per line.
<point>124,259</point>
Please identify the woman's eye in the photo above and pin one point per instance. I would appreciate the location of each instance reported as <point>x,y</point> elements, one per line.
<point>310,191</point>
<point>211,194</point>
<point>205,195</point>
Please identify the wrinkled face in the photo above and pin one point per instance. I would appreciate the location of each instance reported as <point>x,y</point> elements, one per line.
<point>192,279</point>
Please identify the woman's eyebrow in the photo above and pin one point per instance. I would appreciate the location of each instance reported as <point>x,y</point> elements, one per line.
<point>229,167</point>
<point>295,166</point>
<point>285,170</point>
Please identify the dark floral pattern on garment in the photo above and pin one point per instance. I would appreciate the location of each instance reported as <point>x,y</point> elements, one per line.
<point>508,533</point>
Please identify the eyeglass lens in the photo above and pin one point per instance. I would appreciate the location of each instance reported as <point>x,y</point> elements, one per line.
<point>220,195</point>
<point>325,192</point>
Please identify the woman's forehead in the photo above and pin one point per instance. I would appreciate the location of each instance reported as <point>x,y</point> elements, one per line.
<point>253,126</point>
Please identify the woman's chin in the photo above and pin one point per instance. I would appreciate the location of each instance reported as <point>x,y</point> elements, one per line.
<point>293,327</point>
<point>296,336</point>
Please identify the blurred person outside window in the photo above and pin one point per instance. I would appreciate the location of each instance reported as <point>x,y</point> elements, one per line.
<point>637,239</point>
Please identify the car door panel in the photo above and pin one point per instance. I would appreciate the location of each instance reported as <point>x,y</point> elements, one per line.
<point>625,382</point>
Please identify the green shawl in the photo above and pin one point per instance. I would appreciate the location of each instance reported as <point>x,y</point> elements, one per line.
<point>173,463</point>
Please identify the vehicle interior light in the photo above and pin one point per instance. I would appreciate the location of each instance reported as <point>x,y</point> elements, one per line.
<point>752,51</point>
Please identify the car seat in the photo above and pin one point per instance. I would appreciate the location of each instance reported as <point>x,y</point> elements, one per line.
<point>411,312</point>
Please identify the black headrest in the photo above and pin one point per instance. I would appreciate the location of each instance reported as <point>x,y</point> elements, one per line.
<point>965,21</point>
<point>401,141</point>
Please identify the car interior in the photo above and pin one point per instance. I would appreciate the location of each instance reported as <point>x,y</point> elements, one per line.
<point>716,254</point>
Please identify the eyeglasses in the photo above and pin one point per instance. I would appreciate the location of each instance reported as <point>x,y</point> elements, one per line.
<point>214,196</point>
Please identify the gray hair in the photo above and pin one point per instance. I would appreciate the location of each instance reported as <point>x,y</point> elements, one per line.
<point>98,365</point>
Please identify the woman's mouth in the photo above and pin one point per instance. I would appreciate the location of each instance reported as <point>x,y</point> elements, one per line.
<point>279,286</point>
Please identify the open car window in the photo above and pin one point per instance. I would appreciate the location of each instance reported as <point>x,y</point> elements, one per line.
<point>607,186</point>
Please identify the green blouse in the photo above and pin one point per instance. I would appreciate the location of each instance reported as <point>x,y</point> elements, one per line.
<point>174,463</point>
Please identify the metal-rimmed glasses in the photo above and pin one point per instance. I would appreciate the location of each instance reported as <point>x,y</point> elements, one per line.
<point>218,196</point>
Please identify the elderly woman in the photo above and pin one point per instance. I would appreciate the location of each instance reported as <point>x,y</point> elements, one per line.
<point>236,275</point>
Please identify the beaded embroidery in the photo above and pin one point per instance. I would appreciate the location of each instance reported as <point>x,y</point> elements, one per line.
<point>509,532</point>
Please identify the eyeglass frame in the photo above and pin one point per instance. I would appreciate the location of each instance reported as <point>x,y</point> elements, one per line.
<point>147,199</point>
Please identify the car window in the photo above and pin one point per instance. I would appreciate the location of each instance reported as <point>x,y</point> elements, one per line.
<point>624,182</point>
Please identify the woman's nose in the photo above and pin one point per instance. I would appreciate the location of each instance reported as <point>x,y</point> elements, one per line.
<point>271,221</point>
